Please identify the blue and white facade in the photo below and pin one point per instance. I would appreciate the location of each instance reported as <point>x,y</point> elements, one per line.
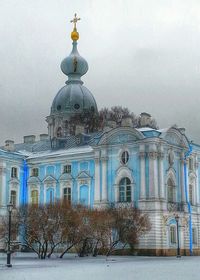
<point>155,170</point>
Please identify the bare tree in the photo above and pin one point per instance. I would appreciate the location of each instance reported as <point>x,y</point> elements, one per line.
<point>128,224</point>
<point>14,228</point>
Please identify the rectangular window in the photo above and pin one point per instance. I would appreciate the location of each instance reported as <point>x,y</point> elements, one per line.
<point>67,168</point>
<point>35,172</point>
<point>67,195</point>
<point>14,172</point>
<point>34,197</point>
<point>121,194</point>
<point>128,193</point>
<point>170,194</point>
<point>51,198</point>
<point>172,234</point>
<point>13,198</point>
<point>194,236</point>
<point>191,164</point>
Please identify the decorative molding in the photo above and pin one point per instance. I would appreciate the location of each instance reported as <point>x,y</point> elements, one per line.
<point>142,155</point>
<point>2,170</point>
<point>171,157</point>
<point>104,158</point>
<point>152,155</point>
<point>161,155</point>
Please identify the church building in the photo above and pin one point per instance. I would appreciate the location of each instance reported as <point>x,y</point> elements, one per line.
<point>115,163</point>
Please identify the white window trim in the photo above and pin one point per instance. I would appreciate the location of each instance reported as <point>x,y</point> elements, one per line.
<point>49,186</point>
<point>169,234</point>
<point>84,182</point>
<point>14,188</point>
<point>63,185</point>
<point>18,169</point>
<point>33,187</point>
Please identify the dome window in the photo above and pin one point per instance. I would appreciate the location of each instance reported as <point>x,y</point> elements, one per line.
<point>59,107</point>
<point>76,106</point>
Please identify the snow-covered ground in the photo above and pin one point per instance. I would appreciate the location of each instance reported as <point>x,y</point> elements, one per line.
<point>28,267</point>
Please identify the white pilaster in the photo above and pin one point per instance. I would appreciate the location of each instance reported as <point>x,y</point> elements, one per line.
<point>97,181</point>
<point>104,180</point>
<point>3,201</point>
<point>197,182</point>
<point>104,160</point>
<point>142,172</point>
<point>182,180</point>
<point>153,171</point>
<point>161,172</point>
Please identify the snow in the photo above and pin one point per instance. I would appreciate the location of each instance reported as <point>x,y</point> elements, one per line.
<point>145,129</point>
<point>69,152</point>
<point>28,267</point>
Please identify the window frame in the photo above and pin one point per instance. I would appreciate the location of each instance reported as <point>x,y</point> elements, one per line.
<point>171,188</point>
<point>14,172</point>
<point>125,190</point>
<point>14,203</point>
<point>33,174</point>
<point>37,199</point>
<point>173,235</point>
<point>67,197</point>
<point>194,236</point>
<point>66,167</point>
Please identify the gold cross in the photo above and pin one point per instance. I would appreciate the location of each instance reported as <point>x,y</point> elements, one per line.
<point>74,20</point>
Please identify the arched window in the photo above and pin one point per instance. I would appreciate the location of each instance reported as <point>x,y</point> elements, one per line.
<point>170,191</point>
<point>125,190</point>
<point>173,234</point>
<point>34,197</point>
<point>50,196</point>
<point>13,198</point>
<point>67,195</point>
<point>59,132</point>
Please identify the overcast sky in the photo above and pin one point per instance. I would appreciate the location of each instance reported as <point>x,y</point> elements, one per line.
<point>142,54</point>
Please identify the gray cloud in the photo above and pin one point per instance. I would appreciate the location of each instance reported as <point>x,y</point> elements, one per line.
<point>142,54</point>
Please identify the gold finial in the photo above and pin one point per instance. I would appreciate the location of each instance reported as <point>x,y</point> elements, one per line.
<point>74,33</point>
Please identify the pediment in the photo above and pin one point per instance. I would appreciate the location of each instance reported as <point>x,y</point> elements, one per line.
<point>65,177</point>
<point>83,175</point>
<point>49,179</point>
<point>33,180</point>
<point>121,135</point>
<point>175,137</point>
<point>14,181</point>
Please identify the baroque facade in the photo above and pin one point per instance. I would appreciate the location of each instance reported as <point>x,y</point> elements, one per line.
<point>156,170</point>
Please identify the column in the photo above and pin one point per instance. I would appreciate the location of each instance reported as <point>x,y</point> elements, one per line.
<point>3,201</point>
<point>104,179</point>
<point>104,160</point>
<point>182,178</point>
<point>153,171</point>
<point>197,181</point>
<point>97,178</point>
<point>161,172</point>
<point>142,155</point>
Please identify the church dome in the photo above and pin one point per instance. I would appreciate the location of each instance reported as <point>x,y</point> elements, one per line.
<point>73,99</point>
<point>74,109</point>
<point>74,66</point>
